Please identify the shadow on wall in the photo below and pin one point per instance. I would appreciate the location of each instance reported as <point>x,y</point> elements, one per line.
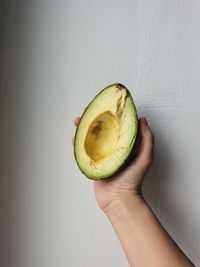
<point>4,215</point>
<point>4,159</point>
<point>157,187</point>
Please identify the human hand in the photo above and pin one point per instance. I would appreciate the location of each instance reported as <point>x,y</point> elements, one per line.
<point>127,184</point>
<point>140,233</point>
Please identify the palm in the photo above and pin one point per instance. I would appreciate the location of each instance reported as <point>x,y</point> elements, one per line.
<point>126,183</point>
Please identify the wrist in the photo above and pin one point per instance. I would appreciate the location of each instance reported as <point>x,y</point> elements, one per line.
<point>120,206</point>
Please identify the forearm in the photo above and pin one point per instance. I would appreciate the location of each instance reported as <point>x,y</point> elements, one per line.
<point>144,240</point>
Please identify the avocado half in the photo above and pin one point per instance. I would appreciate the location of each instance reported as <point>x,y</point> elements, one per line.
<point>107,133</point>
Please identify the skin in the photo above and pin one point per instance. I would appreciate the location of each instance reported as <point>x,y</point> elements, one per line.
<point>144,240</point>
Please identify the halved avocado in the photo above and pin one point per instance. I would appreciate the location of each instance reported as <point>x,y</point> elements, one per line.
<point>107,133</point>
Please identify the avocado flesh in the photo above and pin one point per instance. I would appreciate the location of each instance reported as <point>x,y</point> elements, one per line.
<point>107,133</point>
<point>102,136</point>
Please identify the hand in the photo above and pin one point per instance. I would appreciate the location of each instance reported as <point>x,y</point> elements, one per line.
<point>127,184</point>
<point>141,235</point>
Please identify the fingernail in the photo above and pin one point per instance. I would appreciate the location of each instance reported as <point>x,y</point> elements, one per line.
<point>145,120</point>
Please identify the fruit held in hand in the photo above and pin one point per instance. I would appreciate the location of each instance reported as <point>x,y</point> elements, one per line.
<point>107,133</point>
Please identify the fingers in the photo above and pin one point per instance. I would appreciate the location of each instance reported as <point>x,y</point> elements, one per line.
<point>76,121</point>
<point>146,148</point>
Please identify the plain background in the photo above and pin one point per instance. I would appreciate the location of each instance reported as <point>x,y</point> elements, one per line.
<point>55,57</point>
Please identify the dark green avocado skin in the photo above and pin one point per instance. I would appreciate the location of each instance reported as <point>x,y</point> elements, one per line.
<point>133,152</point>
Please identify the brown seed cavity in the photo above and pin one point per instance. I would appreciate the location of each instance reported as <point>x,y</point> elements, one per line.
<point>96,130</point>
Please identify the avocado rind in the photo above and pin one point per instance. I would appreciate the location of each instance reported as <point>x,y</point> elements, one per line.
<point>130,149</point>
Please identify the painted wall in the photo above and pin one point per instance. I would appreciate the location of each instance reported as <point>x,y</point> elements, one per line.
<point>56,56</point>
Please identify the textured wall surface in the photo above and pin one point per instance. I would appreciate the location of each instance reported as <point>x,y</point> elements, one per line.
<point>56,56</point>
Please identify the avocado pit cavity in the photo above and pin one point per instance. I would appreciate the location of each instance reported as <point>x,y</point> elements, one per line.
<point>102,136</point>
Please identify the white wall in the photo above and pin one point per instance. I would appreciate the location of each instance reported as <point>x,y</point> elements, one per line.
<point>57,56</point>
